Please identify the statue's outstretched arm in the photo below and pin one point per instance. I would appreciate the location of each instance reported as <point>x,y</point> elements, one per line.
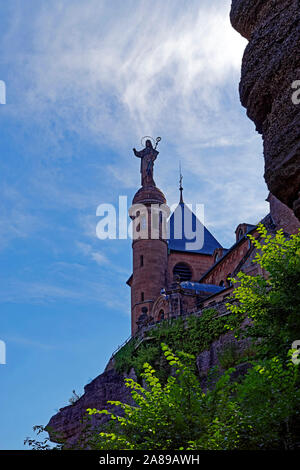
<point>137,154</point>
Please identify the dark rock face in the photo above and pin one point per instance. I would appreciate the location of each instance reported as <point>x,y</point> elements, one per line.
<point>282,216</point>
<point>209,359</point>
<point>67,423</point>
<point>271,64</point>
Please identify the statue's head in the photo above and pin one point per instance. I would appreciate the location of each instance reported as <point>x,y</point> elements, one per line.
<point>148,143</point>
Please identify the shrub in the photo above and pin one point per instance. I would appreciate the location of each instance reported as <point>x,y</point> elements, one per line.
<point>272,303</point>
<point>193,335</point>
<point>261,412</point>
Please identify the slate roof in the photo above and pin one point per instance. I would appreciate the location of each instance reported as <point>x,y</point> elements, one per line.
<point>198,287</point>
<point>185,225</point>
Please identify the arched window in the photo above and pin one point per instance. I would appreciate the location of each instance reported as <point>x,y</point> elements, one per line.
<point>161,315</point>
<point>183,271</point>
<point>221,284</point>
<point>142,297</point>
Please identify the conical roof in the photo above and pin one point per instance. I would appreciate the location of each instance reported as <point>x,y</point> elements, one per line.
<point>188,234</point>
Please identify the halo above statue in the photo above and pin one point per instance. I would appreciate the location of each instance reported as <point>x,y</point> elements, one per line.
<point>148,137</point>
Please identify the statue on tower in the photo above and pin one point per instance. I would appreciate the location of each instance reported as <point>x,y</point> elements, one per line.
<point>147,156</point>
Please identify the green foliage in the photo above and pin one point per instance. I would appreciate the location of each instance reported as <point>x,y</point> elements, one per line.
<point>269,399</point>
<point>123,358</point>
<point>147,353</point>
<point>232,354</point>
<point>229,356</point>
<point>261,412</point>
<point>204,330</point>
<point>176,416</point>
<point>192,336</point>
<point>74,398</point>
<point>272,303</point>
<point>41,445</point>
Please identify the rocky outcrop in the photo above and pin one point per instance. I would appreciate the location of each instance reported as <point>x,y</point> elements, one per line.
<point>282,217</point>
<point>68,423</point>
<point>271,64</point>
<point>222,351</point>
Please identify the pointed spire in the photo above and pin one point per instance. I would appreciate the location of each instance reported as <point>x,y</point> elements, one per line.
<point>180,184</point>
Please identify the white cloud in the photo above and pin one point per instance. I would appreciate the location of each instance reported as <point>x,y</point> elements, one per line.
<point>80,290</point>
<point>100,258</point>
<point>29,342</point>
<point>111,72</point>
<point>87,250</point>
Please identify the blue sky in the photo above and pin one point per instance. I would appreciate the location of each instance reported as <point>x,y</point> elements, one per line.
<point>85,81</point>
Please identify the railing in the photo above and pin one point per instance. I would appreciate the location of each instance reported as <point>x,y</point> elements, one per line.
<point>195,312</point>
<point>122,345</point>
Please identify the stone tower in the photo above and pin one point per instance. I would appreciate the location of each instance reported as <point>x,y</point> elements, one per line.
<point>149,245</point>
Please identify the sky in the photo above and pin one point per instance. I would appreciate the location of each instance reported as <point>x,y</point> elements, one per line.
<point>85,81</point>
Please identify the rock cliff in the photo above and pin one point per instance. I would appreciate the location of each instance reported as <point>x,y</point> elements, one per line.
<point>67,424</point>
<point>271,64</point>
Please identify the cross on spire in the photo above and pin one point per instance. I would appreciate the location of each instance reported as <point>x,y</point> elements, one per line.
<point>180,184</point>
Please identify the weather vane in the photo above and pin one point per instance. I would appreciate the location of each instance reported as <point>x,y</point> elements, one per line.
<point>180,183</point>
<point>180,176</point>
<point>154,142</point>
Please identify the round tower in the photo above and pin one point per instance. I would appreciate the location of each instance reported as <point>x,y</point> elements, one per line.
<point>149,245</point>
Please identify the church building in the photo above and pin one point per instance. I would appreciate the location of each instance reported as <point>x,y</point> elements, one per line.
<point>182,268</point>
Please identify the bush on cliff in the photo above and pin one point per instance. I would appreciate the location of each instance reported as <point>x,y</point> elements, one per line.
<point>261,412</point>
<point>272,301</point>
<point>174,416</point>
<point>192,336</point>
